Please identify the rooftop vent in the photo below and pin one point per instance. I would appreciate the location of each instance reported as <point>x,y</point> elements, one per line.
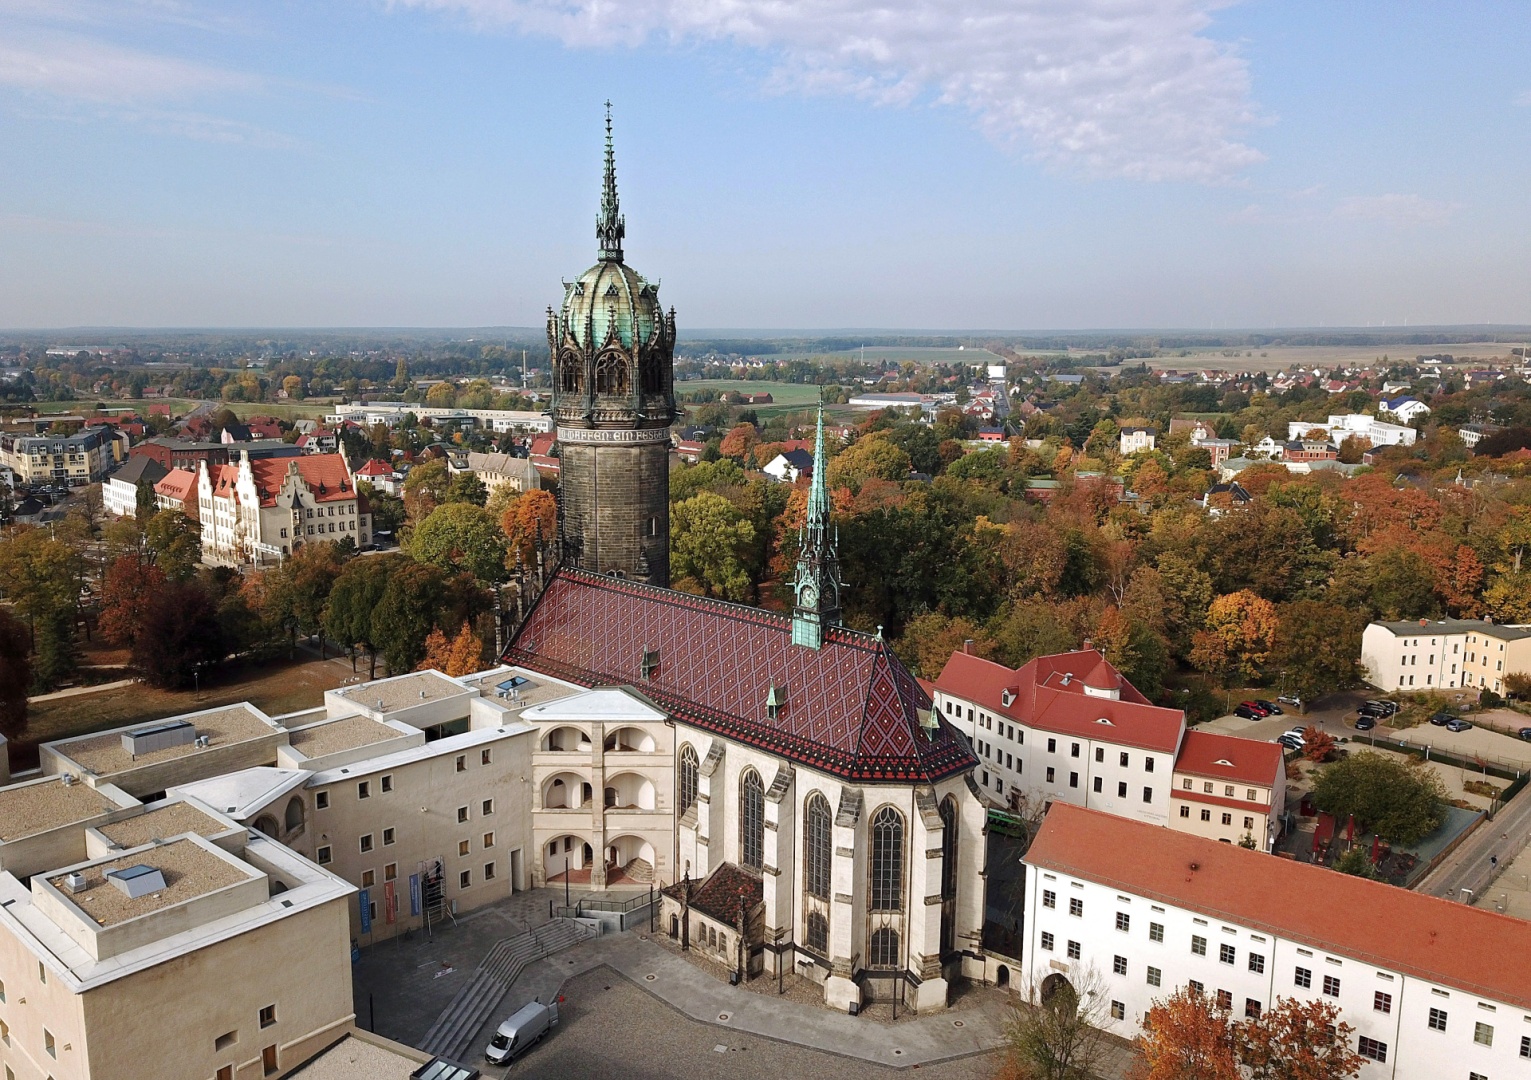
<point>67,779</point>
<point>136,881</point>
<point>158,737</point>
<point>1007,696</point>
<point>1068,677</point>
<point>75,882</point>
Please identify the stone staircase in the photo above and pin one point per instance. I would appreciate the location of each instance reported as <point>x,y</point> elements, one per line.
<point>639,870</point>
<point>454,1029</point>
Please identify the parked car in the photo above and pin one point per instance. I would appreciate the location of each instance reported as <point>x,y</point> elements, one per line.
<point>1270,707</point>
<point>1380,709</point>
<point>1365,723</point>
<point>1248,713</point>
<point>1297,733</point>
<point>1256,706</point>
<point>1441,719</point>
<point>1290,699</point>
<point>1458,724</point>
<point>1525,733</point>
<point>1291,742</point>
<point>525,1027</point>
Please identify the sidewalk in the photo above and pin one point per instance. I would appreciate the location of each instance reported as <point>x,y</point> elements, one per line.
<point>76,691</point>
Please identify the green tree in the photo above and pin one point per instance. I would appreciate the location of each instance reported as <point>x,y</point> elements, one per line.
<point>709,544</point>
<point>348,612</point>
<point>1061,1038</point>
<point>1315,648</point>
<point>408,610</point>
<point>1356,863</point>
<point>176,542</point>
<point>871,457</point>
<point>180,635</point>
<point>40,575</point>
<point>15,675</point>
<point>56,654</point>
<point>1400,803</point>
<point>466,487</point>
<point>461,536</point>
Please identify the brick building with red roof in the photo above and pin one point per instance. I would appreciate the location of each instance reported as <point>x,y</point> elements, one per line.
<point>1431,988</point>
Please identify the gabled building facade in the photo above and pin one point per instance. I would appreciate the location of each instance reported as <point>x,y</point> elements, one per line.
<point>259,512</point>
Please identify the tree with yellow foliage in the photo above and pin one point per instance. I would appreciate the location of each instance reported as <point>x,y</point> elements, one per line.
<point>463,655</point>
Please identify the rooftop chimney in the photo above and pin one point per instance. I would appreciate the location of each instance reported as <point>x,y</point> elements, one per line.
<point>967,646</point>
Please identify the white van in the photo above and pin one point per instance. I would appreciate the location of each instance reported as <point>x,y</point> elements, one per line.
<point>528,1024</point>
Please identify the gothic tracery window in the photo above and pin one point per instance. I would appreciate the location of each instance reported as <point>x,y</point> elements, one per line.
<point>884,947</point>
<point>818,932</point>
<point>688,775</point>
<point>887,876</point>
<point>611,375</point>
<point>752,821</point>
<point>817,847</point>
<point>570,371</point>
<point>948,848</point>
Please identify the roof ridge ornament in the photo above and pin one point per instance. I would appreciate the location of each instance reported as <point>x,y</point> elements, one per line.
<point>610,226</point>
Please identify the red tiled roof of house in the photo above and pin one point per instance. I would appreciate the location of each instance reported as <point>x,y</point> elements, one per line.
<point>1476,951</point>
<point>1048,693</point>
<point>325,474</point>
<point>178,484</point>
<point>851,708</point>
<point>541,444</point>
<point>1228,757</point>
<point>264,427</point>
<point>717,895</point>
<point>375,467</point>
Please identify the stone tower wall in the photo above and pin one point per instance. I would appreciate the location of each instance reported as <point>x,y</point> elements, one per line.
<point>616,499</point>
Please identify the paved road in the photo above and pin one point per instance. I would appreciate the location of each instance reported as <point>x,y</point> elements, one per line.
<point>1469,866</point>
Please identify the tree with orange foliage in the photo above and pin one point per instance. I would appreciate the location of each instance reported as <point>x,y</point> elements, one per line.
<point>739,441</point>
<point>129,584</point>
<point>520,523</point>
<point>1316,745</point>
<point>1240,629</point>
<point>462,655</point>
<point>1297,1040</point>
<point>1187,1037</point>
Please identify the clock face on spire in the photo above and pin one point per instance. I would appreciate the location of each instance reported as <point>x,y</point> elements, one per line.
<point>808,596</point>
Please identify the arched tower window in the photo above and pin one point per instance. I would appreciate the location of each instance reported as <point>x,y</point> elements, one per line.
<point>688,774</point>
<point>887,876</point>
<point>948,811</point>
<point>294,815</point>
<point>651,373</point>
<point>752,821</point>
<point>571,373</point>
<point>611,375</point>
<point>817,847</point>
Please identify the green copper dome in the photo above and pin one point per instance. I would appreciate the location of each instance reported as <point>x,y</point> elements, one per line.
<point>608,297</point>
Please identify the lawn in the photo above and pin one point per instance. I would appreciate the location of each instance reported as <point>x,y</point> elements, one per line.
<point>296,410</point>
<point>795,395</point>
<point>276,687</point>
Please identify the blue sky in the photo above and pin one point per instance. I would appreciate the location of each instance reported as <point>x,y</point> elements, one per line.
<point>1001,164</point>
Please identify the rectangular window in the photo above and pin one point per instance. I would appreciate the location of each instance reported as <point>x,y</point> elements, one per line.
<point>462,814</point>
<point>268,1060</point>
<point>1073,950</point>
<point>462,847</point>
<point>1118,1011</point>
<point>462,762</point>
<point>1251,794</point>
<point>1097,785</point>
<point>1148,794</point>
<point>484,756</point>
<point>1249,823</point>
<point>226,1040</point>
<point>323,855</point>
<point>489,840</point>
<point>1119,965</point>
<point>1074,750</point>
<point>1122,758</point>
<point>1371,1048</point>
<point>1525,1046</point>
<point>1225,954</point>
<point>1049,774</point>
<point>1076,906</point>
<point>1227,819</point>
<point>487,807</point>
<point>1303,977</point>
<point>1196,987</point>
<point>1225,999</point>
<point>48,1043</point>
<point>1437,1019</point>
<point>1073,779</point>
<point>1121,789</point>
<point>390,871</point>
<point>367,879</point>
<point>1148,764</point>
<point>1227,791</point>
<point>1155,931</point>
<point>366,842</point>
<point>322,800</point>
<point>5,1033</point>
<point>1198,945</point>
<point>1206,815</point>
<point>1185,811</point>
<point>1483,1034</point>
<point>387,782</point>
<point>388,837</point>
<point>1382,1002</point>
<point>1251,1008</point>
<point>268,1016</point>
<point>1047,941</point>
<point>465,879</point>
<point>364,790</point>
<point>1185,785</point>
<point>1331,986</point>
<point>1052,746</point>
<point>1123,921</point>
<point>1100,754</point>
<point>489,871</point>
<point>1155,978</point>
<point>1257,963</point>
<point>1049,898</point>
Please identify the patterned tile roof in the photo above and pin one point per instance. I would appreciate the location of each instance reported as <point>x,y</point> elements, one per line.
<point>850,708</point>
<point>717,895</point>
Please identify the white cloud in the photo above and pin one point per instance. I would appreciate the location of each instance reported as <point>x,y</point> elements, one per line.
<point>1127,88</point>
<point>83,69</point>
<point>1400,211</point>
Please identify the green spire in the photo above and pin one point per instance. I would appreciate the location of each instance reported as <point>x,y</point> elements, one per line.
<point>817,584</point>
<point>610,227</point>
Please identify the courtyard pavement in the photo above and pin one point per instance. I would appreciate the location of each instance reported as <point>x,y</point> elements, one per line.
<point>402,986</point>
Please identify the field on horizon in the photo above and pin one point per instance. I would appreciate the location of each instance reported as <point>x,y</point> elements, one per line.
<point>789,395</point>
<point>1279,358</point>
<point>897,355</point>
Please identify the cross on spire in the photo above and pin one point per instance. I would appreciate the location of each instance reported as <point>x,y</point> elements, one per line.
<point>610,227</point>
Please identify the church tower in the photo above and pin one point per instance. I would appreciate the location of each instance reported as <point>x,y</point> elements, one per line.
<point>817,583</point>
<point>613,354</point>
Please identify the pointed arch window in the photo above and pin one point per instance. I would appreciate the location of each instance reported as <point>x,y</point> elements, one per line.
<point>571,371</point>
<point>611,375</point>
<point>948,848</point>
<point>752,821</point>
<point>817,847</point>
<point>884,947</point>
<point>887,876</point>
<point>688,777</point>
<point>818,932</point>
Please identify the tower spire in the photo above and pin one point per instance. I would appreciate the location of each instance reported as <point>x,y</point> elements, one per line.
<point>817,584</point>
<point>610,227</point>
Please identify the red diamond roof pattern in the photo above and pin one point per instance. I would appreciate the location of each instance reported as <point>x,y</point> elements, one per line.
<point>851,708</point>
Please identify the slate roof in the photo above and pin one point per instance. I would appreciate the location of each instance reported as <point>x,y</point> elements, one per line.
<point>852,709</point>
<point>139,470</point>
<point>324,474</point>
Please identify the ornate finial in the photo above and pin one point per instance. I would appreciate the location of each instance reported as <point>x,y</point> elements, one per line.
<point>610,227</point>
<point>818,492</point>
